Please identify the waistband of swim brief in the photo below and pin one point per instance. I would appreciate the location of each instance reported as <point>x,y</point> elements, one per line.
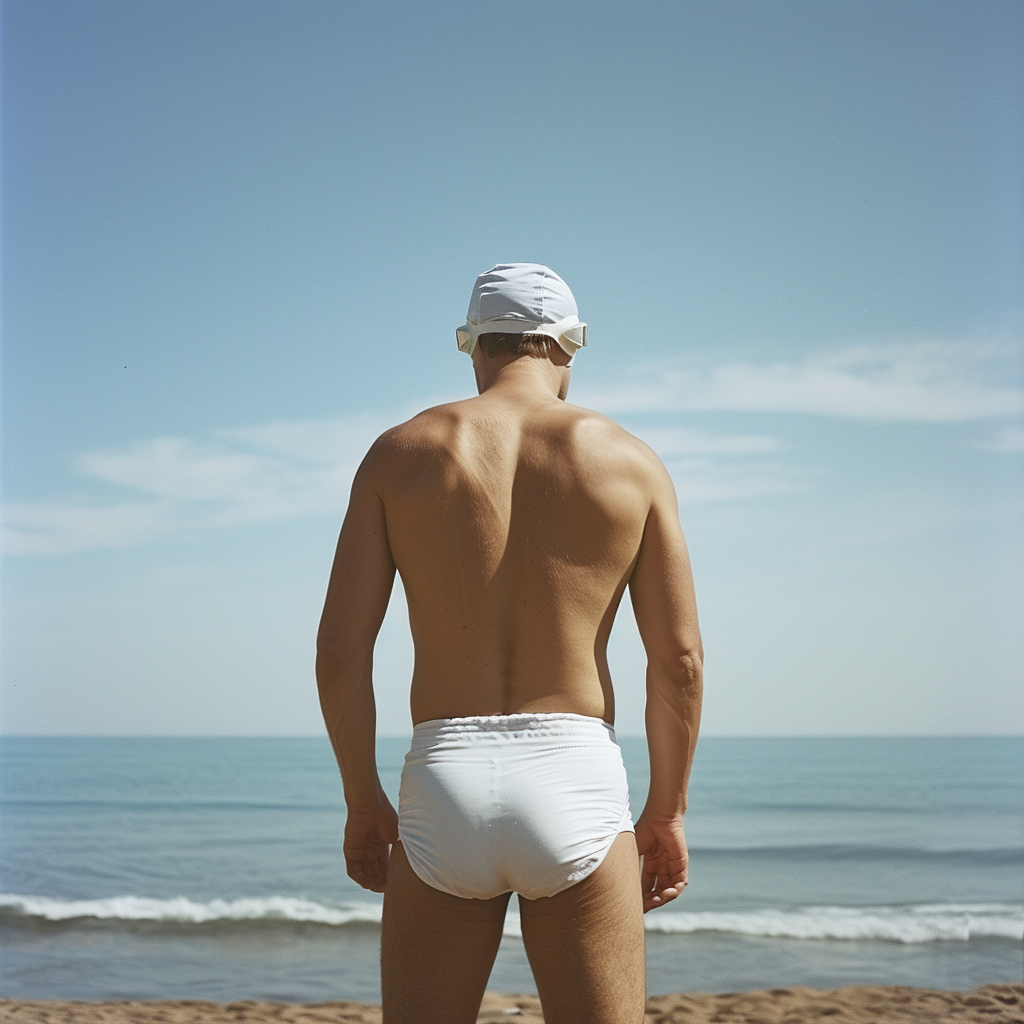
<point>550,726</point>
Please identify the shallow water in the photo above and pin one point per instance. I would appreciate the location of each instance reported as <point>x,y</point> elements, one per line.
<point>211,868</point>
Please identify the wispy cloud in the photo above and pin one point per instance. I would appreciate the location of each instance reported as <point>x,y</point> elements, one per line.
<point>259,474</point>
<point>55,527</point>
<point>172,486</point>
<point>673,442</point>
<point>1009,440</point>
<point>929,381</point>
<point>700,481</point>
<point>708,467</point>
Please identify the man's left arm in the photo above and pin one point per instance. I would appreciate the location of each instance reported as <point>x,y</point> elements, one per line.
<point>357,598</point>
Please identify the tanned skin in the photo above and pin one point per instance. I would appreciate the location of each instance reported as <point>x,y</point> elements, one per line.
<point>517,522</point>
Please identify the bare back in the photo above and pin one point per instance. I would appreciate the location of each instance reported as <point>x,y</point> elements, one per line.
<point>515,527</point>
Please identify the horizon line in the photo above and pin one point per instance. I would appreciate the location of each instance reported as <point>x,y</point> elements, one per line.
<point>406,735</point>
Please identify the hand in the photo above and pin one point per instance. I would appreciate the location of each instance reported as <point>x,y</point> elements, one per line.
<point>369,836</point>
<point>665,871</point>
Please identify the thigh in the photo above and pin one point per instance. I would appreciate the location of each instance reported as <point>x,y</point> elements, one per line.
<point>437,950</point>
<point>586,945</point>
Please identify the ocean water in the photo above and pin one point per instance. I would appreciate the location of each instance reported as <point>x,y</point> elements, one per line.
<point>212,869</point>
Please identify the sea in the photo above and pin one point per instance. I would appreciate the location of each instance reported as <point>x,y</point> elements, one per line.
<point>211,868</point>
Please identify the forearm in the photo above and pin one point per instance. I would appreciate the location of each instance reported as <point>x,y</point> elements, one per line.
<point>346,699</point>
<point>672,719</point>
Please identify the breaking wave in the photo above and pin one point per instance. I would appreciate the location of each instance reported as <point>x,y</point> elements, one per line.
<point>909,924</point>
<point>185,911</point>
<point>923,923</point>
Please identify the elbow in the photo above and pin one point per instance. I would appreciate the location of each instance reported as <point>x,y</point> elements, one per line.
<point>684,663</point>
<point>679,677</point>
<point>339,665</point>
<point>328,657</point>
<point>691,663</point>
<point>327,673</point>
<point>325,666</point>
<point>690,673</point>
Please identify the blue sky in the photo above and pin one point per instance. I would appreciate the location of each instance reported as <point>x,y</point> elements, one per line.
<point>237,240</point>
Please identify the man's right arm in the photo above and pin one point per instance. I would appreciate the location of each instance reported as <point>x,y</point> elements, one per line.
<point>661,589</point>
<point>357,598</point>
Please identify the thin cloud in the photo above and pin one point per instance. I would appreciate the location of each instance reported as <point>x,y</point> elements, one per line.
<point>259,474</point>
<point>1009,440</point>
<point>928,381</point>
<point>708,467</point>
<point>182,470</point>
<point>316,441</point>
<point>673,442</point>
<point>177,486</point>
<point>54,527</point>
<point>701,481</point>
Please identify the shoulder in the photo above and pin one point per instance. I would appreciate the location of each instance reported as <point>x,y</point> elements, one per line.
<point>427,434</point>
<point>606,441</point>
<point>429,428</point>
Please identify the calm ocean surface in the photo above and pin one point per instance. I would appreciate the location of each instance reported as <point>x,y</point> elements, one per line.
<point>212,869</point>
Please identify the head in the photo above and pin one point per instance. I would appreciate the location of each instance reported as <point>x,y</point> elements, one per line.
<point>521,310</point>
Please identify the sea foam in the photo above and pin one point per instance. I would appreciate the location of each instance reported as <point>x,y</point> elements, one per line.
<point>185,911</point>
<point>922,923</point>
<point>908,924</point>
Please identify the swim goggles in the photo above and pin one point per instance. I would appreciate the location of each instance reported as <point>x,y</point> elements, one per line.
<point>570,333</point>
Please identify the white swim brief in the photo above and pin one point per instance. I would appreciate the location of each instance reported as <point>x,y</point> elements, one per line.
<point>527,803</point>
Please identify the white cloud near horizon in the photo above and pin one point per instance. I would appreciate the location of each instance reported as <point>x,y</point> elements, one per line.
<point>931,381</point>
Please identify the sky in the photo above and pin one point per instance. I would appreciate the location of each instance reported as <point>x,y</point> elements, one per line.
<point>238,238</point>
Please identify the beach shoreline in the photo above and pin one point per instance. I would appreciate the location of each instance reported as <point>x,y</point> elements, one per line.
<point>856,1004</point>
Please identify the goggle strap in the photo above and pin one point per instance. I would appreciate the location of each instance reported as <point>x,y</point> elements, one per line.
<point>570,330</point>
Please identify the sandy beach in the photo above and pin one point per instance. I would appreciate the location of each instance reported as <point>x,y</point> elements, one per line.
<point>860,1004</point>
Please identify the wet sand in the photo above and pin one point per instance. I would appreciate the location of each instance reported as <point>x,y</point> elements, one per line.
<point>859,1004</point>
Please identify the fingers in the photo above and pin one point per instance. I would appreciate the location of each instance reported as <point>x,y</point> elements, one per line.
<point>648,881</point>
<point>660,897</point>
<point>368,867</point>
<point>671,871</point>
<point>662,880</point>
<point>661,888</point>
<point>367,846</point>
<point>371,884</point>
<point>374,880</point>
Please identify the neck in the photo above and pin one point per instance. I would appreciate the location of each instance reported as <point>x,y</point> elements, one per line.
<point>521,377</point>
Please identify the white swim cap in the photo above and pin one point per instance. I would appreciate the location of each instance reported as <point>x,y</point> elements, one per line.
<point>522,298</point>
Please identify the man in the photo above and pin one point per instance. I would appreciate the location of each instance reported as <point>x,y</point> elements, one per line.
<point>516,522</point>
